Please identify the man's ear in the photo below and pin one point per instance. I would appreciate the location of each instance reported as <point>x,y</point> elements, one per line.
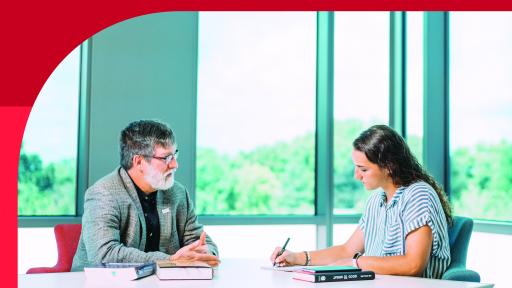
<point>137,162</point>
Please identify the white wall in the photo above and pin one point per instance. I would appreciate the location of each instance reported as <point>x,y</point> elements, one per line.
<point>36,246</point>
<point>489,254</point>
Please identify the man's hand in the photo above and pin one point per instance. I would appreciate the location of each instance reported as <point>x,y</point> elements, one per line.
<point>197,251</point>
<point>202,248</point>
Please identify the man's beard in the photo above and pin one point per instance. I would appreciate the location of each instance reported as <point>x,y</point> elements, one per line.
<point>158,180</point>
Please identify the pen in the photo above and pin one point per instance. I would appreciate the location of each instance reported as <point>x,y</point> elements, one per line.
<point>282,250</point>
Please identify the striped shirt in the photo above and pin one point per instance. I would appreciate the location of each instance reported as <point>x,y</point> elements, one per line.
<point>385,226</point>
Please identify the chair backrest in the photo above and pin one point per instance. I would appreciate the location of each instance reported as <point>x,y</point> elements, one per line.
<point>67,237</point>
<point>460,234</point>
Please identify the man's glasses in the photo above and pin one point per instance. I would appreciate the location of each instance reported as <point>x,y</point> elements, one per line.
<point>167,159</point>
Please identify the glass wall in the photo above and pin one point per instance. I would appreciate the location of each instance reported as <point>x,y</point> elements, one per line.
<point>47,166</point>
<point>361,89</point>
<point>414,86</point>
<point>481,114</point>
<point>256,113</point>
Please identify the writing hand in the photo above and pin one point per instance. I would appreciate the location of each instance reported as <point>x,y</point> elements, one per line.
<point>288,258</point>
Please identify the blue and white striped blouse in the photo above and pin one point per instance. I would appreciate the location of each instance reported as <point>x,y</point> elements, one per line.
<point>385,226</point>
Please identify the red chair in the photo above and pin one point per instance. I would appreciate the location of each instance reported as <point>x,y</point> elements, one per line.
<point>67,236</point>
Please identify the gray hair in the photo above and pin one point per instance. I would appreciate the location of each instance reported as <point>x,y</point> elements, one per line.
<point>141,137</point>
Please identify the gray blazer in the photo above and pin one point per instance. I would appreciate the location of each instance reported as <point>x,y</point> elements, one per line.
<point>114,228</point>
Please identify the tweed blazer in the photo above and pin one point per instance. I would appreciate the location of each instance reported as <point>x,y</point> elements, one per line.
<point>114,228</point>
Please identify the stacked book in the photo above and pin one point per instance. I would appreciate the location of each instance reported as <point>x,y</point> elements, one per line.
<point>164,270</point>
<point>332,274</point>
<point>183,270</point>
<point>119,271</point>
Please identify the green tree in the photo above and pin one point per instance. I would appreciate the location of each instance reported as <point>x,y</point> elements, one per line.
<point>45,189</point>
<point>293,164</point>
<point>349,193</point>
<point>481,182</point>
<point>284,173</point>
<point>280,178</point>
<point>214,186</point>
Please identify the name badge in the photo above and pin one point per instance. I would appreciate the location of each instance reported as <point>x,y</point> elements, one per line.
<point>166,210</point>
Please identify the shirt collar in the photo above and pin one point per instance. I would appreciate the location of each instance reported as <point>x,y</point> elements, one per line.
<point>395,198</point>
<point>143,196</point>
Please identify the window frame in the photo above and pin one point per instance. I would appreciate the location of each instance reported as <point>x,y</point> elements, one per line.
<point>436,70</point>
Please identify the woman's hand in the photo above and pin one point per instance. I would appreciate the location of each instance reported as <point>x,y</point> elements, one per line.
<point>288,258</point>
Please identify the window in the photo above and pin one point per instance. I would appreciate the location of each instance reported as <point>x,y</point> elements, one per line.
<point>361,89</point>
<point>414,66</point>
<point>256,113</point>
<point>47,167</point>
<point>480,114</point>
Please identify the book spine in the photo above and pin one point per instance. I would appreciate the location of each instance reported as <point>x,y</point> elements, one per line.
<point>366,275</point>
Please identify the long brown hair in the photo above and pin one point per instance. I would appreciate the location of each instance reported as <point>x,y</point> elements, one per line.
<point>385,147</point>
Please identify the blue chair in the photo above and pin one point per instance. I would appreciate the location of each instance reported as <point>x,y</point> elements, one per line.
<point>459,235</point>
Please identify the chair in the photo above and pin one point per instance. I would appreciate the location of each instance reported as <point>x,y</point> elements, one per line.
<point>67,236</point>
<point>459,235</point>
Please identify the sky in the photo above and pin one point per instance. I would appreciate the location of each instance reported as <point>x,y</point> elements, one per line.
<point>52,127</point>
<point>480,77</point>
<point>256,79</point>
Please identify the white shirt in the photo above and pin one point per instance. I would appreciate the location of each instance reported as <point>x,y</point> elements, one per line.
<point>386,225</point>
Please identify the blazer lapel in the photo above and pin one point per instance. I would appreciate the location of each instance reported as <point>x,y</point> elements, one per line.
<point>163,206</point>
<point>130,188</point>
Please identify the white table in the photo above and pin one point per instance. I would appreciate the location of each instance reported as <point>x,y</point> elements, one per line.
<point>244,273</point>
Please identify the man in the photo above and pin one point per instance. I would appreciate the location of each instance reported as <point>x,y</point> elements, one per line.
<point>138,213</point>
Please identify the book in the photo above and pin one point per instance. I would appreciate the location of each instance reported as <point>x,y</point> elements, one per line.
<point>334,276</point>
<point>119,271</point>
<point>183,270</point>
<point>326,269</point>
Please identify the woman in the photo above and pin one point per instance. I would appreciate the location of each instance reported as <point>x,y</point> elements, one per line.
<point>404,228</point>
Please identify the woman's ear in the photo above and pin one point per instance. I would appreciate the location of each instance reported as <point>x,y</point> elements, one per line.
<point>388,170</point>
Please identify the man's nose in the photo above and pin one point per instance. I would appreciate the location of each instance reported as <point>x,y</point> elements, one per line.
<point>173,164</point>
